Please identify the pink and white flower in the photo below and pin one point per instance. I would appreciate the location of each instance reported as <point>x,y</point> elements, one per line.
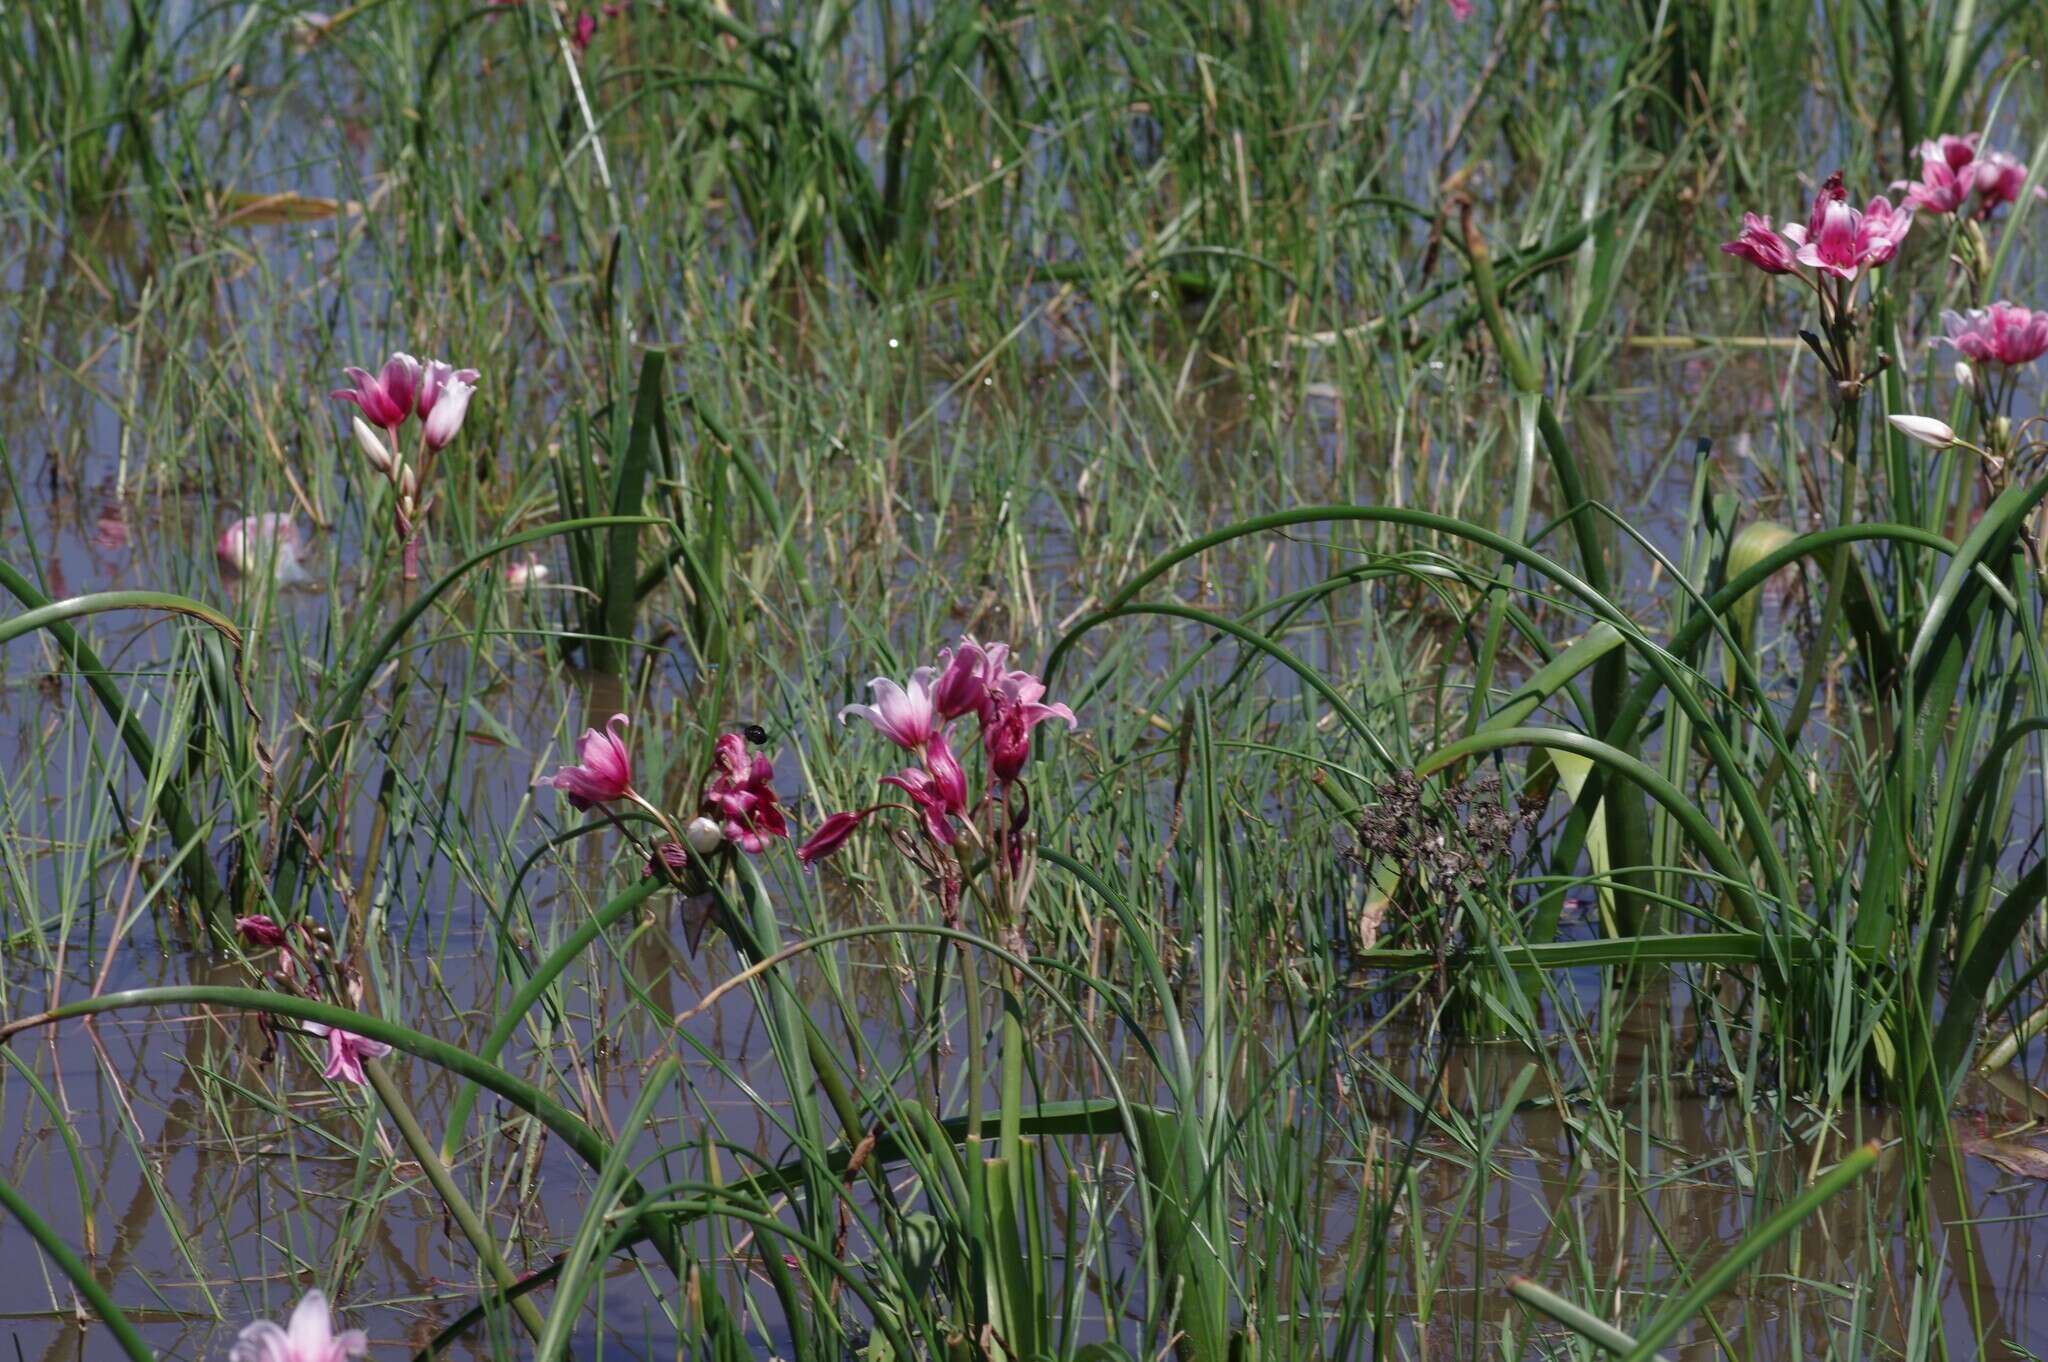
<point>310,1337</point>
<point>603,771</point>
<point>2000,178</point>
<point>964,674</point>
<point>346,1052</point>
<point>1760,245</point>
<point>1944,184</point>
<point>386,398</point>
<point>1014,709</point>
<point>948,779</point>
<point>258,543</point>
<point>529,573</point>
<point>443,404</point>
<point>1841,241</point>
<point>2002,334</point>
<point>905,716</point>
<point>929,801</point>
<point>742,792</point>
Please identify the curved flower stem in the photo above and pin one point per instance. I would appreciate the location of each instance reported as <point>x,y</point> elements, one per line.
<point>429,1160</point>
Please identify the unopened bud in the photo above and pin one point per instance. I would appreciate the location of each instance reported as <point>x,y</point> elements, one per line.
<point>1925,429</point>
<point>373,445</point>
<point>704,835</point>
<point>1964,374</point>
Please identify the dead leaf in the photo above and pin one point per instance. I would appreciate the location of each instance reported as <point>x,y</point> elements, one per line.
<point>2021,1158</point>
<point>241,208</point>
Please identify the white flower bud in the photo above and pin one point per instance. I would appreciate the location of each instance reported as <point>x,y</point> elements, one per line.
<point>1925,429</point>
<point>704,835</point>
<point>373,445</point>
<point>1964,374</point>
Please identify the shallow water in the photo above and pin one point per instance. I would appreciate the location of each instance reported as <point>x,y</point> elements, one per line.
<point>200,1218</point>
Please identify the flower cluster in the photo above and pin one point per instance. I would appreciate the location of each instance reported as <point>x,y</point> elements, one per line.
<point>738,803</point>
<point>439,393</point>
<point>1836,239</point>
<point>304,963</point>
<point>1999,334</point>
<point>1952,170</point>
<point>1007,703</point>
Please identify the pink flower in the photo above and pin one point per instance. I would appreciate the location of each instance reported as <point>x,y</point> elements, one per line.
<point>905,717</point>
<point>520,576</point>
<point>1949,150</point>
<point>830,836</point>
<point>346,1052</point>
<point>929,801</point>
<point>259,542</point>
<point>1760,246</point>
<point>386,398</point>
<point>1940,189</point>
<point>2002,333</point>
<point>742,791</point>
<point>964,674</point>
<point>2000,178</point>
<point>1842,241</point>
<point>1461,10</point>
<point>259,929</point>
<point>585,30</point>
<point>1014,709</point>
<point>603,770</point>
<point>948,780</point>
<point>311,1337</point>
<point>446,422</point>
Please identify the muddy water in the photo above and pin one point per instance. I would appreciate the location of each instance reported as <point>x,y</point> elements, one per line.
<point>199,1218</point>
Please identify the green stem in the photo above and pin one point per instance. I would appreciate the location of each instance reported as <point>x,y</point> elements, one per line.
<point>1902,77</point>
<point>465,1215</point>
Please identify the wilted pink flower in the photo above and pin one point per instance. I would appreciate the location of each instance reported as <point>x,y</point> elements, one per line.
<point>385,398</point>
<point>259,542</point>
<point>671,858</point>
<point>585,30</point>
<point>905,717</point>
<point>259,929</point>
<point>1842,241</point>
<point>947,778</point>
<point>1760,245</point>
<point>929,801</point>
<point>311,1337</point>
<point>964,674</point>
<point>444,412</point>
<point>2002,333</point>
<point>1014,709</point>
<point>830,836</point>
<point>603,770</point>
<point>742,790</point>
<point>346,1052</point>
